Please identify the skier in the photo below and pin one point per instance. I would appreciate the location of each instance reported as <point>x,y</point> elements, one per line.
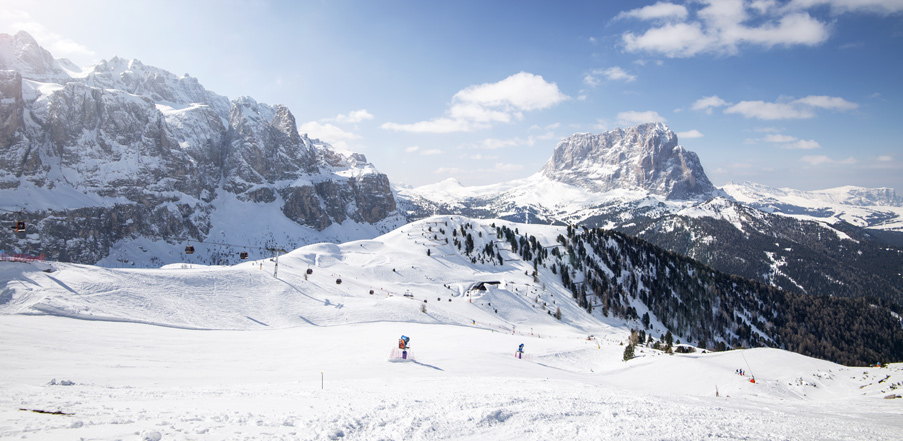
<point>520,351</point>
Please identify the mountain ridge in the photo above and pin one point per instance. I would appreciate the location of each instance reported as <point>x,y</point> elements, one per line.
<point>169,154</point>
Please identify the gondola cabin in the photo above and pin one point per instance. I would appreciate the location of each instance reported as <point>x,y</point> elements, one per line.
<point>189,249</point>
<point>19,226</point>
<point>243,255</point>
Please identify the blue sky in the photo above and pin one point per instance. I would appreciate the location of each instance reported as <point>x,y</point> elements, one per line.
<point>798,93</point>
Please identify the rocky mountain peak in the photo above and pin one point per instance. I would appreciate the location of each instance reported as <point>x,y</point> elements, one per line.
<point>645,157</point>
<point>23,54</point>
<point>284,122</point>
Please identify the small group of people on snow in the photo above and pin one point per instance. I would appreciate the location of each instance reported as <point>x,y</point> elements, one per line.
<point>404,345</point>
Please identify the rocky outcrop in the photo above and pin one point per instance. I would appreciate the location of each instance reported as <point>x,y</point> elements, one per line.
<point>645,157</point>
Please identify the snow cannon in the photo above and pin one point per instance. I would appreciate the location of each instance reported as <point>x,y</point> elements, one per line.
<point>752,380</point>
<point>401,353</point>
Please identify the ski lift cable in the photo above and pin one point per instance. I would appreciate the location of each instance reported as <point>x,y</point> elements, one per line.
<point>183,239</point>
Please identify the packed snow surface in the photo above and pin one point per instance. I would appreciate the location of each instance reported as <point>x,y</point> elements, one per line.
<point>190,352</point>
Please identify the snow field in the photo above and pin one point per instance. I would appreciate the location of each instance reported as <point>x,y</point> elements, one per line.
<point>135,381</point>
<point>211,353</point>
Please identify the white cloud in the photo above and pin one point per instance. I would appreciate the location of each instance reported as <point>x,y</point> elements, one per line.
<point>355,116</point>
<point>477,107</point>
<point>708,103</point>
<point>416,149</point>
<point>762,6</point>
<point>788,142</point>
<point>885,158</point>
<point>438,125</point>
<point>841,6</point>
<point>817,160</point>
<point>600,124</point>
<point>723,27</point>
<point>690,134</point>
<point>790,30</point>
<point>495,144</point>
<point>521,91</point>
<point>797,109</point>
<point>632,118</point>
<point>779,138</point>
<point>658,11</point>
<point>672,40</point>
<point>611,74</point>
<point>768,111</point>
<point>335,136</point>
<point>13,21</point>
<point>802,144</point>
<point>827,102</point>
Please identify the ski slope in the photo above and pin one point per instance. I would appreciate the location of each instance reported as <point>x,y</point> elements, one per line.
<point>190,352</point>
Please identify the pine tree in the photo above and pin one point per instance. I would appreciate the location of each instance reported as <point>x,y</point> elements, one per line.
<point>628,352</point>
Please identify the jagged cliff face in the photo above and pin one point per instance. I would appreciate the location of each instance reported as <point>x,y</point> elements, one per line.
<point>645,157</point>
<point>159,153</point>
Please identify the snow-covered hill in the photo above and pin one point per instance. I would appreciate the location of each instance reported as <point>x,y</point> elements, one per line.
<point>352,282</point>
<point>214,352</point>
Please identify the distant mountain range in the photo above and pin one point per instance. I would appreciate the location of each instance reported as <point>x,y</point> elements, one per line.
<point>124,164</point>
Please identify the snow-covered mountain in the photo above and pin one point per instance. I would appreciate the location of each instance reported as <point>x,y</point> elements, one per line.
<point>878,208</point>
<point>119,157</point>
<point>619,172</point>
<point>640,181</point>
<point>640,158</point>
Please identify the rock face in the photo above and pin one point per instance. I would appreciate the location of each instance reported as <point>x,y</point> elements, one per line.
<point>149,154</point>
<point>645,157</point>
